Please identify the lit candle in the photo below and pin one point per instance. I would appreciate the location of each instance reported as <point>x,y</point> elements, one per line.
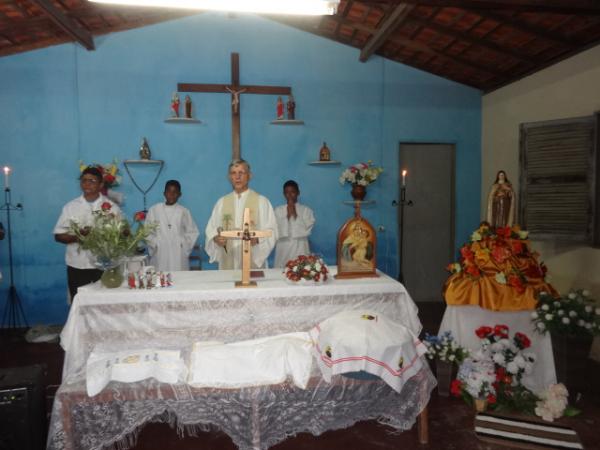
<point>404,172</point>
<point>6,175</point>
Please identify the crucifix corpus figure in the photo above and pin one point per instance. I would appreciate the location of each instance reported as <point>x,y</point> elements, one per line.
<point>236,90</point>
<point>246,235</point>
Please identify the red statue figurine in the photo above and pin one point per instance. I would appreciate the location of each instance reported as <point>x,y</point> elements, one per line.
<point>279,109</point>
<point>175,104</point>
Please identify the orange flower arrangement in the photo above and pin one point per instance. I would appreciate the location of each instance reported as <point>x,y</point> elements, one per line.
<point>497,270</point>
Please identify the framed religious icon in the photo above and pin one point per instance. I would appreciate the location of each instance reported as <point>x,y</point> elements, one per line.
<point>356,249</point>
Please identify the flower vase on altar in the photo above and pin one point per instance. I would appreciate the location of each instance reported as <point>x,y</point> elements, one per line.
<point>444,373</point>
<point>112,277</point>
<point>358,192</point>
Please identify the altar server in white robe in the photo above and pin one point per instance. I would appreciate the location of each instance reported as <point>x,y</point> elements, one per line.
<point>294,223</point>
<point>228,214</point>
<point>171,244</point>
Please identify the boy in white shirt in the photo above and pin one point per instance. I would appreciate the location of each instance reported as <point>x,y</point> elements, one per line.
<point>171,244</point>
<point>81,264</point>
<point>294,223</point>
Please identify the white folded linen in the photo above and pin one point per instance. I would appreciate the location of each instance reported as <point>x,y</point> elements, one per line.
<point>255,362</point>
<point>359,340</point>
<point>166,366</point>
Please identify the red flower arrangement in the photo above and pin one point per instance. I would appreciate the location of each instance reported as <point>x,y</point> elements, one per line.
<point>307,268</point>
<point>139,216</point>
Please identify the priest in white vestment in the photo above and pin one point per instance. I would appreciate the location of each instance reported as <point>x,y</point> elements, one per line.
<point>171,244</point>
<point>228,214</point>
<point>294,223</point>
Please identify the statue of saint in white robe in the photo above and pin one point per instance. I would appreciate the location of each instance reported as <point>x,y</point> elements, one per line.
<point>220,218</point>
<point>293,233</point>
<point>171,244</point>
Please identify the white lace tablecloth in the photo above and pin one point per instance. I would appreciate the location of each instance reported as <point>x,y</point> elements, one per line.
<point>206,306</point>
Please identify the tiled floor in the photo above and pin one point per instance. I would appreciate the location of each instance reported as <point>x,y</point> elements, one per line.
<point>450,420</point>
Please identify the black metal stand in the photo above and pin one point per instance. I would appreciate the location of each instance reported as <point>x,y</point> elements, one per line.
<point>400,206</point>
<point>401,234</point>
<point>13,310</point>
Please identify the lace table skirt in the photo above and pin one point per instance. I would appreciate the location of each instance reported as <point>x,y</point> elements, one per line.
<point>255,418</point>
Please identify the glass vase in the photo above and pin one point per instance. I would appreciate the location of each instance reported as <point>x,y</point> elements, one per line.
<point>112,277</point>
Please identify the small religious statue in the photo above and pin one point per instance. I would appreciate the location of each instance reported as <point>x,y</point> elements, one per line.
<point>291,108</point>
<point>501,202</point>
<point>175,104</point>
<point>280,115</point>
<point>188,107</point>
<point>324,153</point>
<point>145,150</point>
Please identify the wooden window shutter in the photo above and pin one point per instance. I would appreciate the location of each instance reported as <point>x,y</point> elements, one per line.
<point>558,179</point>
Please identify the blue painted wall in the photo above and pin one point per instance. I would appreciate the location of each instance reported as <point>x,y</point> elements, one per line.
<point>63,104</point>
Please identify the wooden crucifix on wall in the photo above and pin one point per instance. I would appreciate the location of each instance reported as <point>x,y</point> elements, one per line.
<point>246,235</point>
<point>235,89</point>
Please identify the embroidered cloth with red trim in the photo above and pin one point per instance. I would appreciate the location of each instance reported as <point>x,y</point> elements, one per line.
<point>358,340</point>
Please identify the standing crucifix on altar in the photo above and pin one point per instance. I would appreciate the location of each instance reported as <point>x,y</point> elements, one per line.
<point>246,235</point>
<point>235,89</point>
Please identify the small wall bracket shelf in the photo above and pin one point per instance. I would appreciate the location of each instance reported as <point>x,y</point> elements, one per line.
<point>359,202</point>
<point>144,162</point>
<point>287,122</point>
<point>325,163</point>
<point>181,120</point>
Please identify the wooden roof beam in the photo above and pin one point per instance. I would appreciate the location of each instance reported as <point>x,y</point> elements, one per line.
<point>552,6</point>
<point>67,25</point>
<point>389,25</point>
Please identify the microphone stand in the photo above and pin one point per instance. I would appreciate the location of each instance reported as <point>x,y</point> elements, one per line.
<point>13,310</point>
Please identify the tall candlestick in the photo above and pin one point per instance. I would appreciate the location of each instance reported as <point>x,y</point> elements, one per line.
<point>6,176</point>
<point>404,172</point>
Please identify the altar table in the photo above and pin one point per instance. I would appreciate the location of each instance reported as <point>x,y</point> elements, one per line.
<point>205,306</point>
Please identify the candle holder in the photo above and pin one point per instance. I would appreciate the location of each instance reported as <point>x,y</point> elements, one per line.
<point>13,314</point>
<point>401,205</point>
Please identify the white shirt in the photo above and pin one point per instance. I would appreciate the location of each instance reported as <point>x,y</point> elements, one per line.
<point>171,244</point>
<point>80,210</point>
<point>266,221</point>
<point>293,233</point>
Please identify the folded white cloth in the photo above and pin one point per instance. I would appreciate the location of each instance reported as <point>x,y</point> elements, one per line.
<point>166,366</point>
<point>256,362</point>
<point>357,340</point>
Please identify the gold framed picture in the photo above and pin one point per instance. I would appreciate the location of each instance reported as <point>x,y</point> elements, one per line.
<point>356,249</point>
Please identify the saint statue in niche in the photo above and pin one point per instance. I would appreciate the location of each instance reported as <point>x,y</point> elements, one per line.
<point>280,115</point>
<point>501,202</point>
<point>291,108</point>
<point>175,104</point>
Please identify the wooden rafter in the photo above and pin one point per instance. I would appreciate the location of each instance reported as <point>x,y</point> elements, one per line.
<point>389,25</point>
<point>590,7</point>
<point>67,25</point>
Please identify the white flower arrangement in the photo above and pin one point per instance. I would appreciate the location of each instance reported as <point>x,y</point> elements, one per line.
<point>575,314</point>
<point>361,173</point>
<point>553,402</point>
